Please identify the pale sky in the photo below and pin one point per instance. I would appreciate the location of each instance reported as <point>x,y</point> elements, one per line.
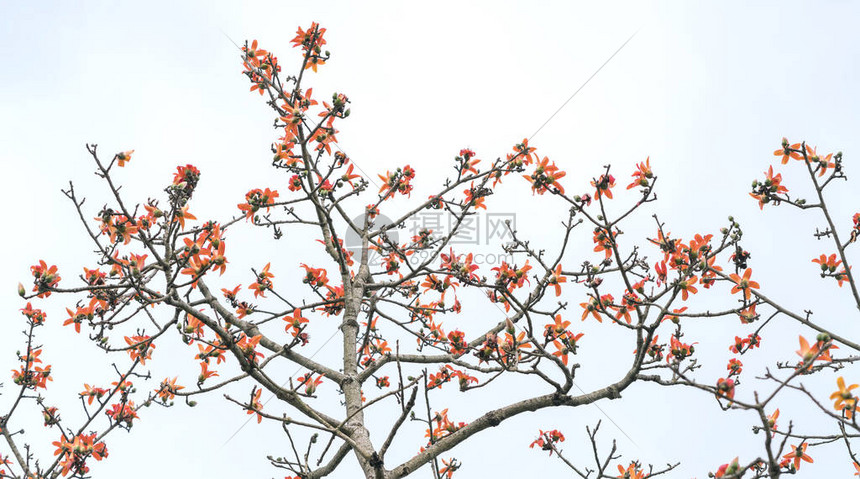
<point>706,91</point>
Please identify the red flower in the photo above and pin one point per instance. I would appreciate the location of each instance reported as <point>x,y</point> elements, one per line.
<point>726,388</point>
<point>728,469</point>
<point>122,412</point>
<point>734,367</point>
<point>547,440</point>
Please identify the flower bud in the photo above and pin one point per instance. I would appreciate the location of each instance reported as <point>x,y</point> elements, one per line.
<point>21,291</point>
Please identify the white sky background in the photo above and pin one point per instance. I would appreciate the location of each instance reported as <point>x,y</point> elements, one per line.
<point>706,92</point>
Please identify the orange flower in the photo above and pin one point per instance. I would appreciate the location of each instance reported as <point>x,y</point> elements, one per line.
<point>36,316</point>
<point>660,269</point>
<point>807,352</point>
<point>310,383</point>
<point>263,283</point>
<point>603,185</point>
<point>123,157</point>
<point>748,315</point>
<point>92,392</point>
<point>450,466</point>
<point>79,316</point>
<point>797,454</point>
<point>45,278</point>
<point>167,389</point>
<point>182,214</point>
<point>315,277</point>
<point>256,406</point>
<point>823,163</point>
<point>120,227</point>
<point>556,279</point>
<point>249,347</point>
<point>295,322</point>
<point>595,306</point>
<point>349,175</point>
<point>633,471</point>
<point>728,469</point>
<point>845,401</point>
<point>642,174</point>
<point>205,373</point>
<point>310,38</point>
<point>687,287</point>
<point>122,412</point>
<point>743,284</point>
<point>256,199</point>
<point>545,178</point>
<point>771,420</point>
<point>561,351</point>
<point>140,347</point>
<point>678,350</point>
<point>828,264</point>
<point>547,440</point>
<point>254,52</point>
<point>474,197</point>
<point>786,151</point>
<point>186,176</point>
<point>766,191</point>
<point>603,241</point>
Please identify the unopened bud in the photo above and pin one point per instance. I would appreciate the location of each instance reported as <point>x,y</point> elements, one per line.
<point>21,291</point>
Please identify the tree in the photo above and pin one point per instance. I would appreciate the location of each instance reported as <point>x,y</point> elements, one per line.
<point>386,298</point>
